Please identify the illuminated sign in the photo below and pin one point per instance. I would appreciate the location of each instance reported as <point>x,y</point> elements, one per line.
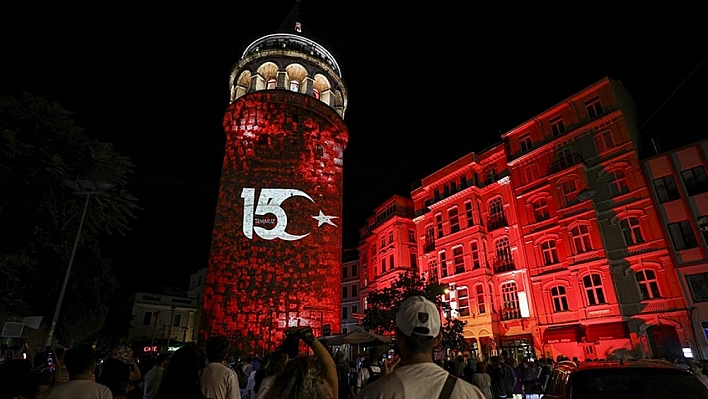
<point>150,349</point>
<point>270,202</point>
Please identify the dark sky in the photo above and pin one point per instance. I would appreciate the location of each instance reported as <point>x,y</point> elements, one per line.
<point>427,84</point>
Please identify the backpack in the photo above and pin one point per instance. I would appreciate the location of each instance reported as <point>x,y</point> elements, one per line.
<point>373,375</point>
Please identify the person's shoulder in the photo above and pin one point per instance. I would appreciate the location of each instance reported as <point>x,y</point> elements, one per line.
<point>464,389</point>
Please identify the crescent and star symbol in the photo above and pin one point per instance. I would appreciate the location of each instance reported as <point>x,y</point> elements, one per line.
<point>324,219</point>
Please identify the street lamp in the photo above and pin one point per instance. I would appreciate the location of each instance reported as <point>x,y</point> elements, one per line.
<point>81,187</point>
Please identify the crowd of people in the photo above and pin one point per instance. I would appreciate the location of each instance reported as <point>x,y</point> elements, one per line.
<point>192,372</point>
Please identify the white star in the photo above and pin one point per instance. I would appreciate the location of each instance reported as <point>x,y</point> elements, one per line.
<point>322,219</point>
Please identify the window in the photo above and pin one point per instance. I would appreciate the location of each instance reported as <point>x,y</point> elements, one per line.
<point>581,239</point>
<point>294,86</point>
<point>702,222</point>
<point>443,263</point>
<point>414,260</point>
<point>594,107</point>
<point>355,309</point>
<point>474,249</point>
<point>648,285</point>
<point>354,292</point>
<point>344,291</point>
<point>540,209</point>
<point>391,262</point>
<point>631,231</point>
<point>411,235</point>
<point>617,180</point>
<point>496,209</point>
<point>177,320</point>
<point>463,302</point>
<point>316,93</point>
<point>559,298</point>
<point>479,292</point>
<point>510,300</point>
<point>319,150</point>
<point>458,259</point>
<point>532,173</point>
<point>147,318</point>
<point>491,174</point>
<point>682,235</point>
<point>344,272</point>
<point>666,189</point>
<point>271,84</point>
<point>429,234</point>
<point>569,190</point>
<point>434,272</point>
<point>604,141</point>
<point>390,237</point>
<point>503,249</point>
<point>439,225</point>
<point>695,180</point>
<point>525,142</point>
<point>549,251</point>
<point>557,125</point>
<point>383,265</point>
<point>344,313</point>
<point>469,213</point>
<point>454,219</point>
<point>593,289</point>
<point>373,250</point>
<point>383,241</point>
<point>698,284</point>
<point>354,270</point>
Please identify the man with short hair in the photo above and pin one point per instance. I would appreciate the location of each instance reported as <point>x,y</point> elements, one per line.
<point>370,370</point>
<point>81,364</point>
<point>153,377</point>
<point>417,333</point>
<point>218,381</point>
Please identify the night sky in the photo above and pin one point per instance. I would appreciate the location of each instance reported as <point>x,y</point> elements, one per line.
<point>426,86</point>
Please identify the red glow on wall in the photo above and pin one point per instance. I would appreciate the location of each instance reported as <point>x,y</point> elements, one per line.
<point>277,241</point>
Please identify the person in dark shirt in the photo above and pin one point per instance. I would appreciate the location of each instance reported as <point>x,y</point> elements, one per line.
<point>496,372</point>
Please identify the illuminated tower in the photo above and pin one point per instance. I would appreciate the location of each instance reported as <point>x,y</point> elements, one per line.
<point>276,252</point>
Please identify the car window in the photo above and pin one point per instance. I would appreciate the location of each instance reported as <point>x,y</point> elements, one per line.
<point>557,383</point>
<point>635,383</point>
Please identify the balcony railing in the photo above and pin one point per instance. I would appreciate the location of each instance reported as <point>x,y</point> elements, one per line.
<point>429,246</point>
<point>509,313</point>
<point>503,263</point>
<point>496,222</point>
<point>564,163</point>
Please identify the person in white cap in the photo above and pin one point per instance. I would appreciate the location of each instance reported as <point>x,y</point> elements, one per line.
<point>417,376</point>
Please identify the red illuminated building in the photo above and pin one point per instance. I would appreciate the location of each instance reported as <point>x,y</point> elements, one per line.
<point>679,185</point>
<point>550,241</point>
<point>276,252</point>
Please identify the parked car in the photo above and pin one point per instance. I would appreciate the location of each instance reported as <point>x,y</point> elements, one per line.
<point>634,379</point>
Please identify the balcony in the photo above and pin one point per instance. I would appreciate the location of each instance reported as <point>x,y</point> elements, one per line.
<point>564,163</point>
<point>429,246</point>
<point>503,263</point>
<point>496,222</point>
<point>509,313</point>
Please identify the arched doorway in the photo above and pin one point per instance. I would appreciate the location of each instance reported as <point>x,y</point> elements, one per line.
<point>664,342</point>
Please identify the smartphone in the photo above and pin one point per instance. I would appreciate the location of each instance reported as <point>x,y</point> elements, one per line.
<point>51,360</point>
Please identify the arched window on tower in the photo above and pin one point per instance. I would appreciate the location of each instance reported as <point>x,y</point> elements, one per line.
<point>295,86</point>
<point>316,93</point>
<point>319,150</point>
<point>271,84</point>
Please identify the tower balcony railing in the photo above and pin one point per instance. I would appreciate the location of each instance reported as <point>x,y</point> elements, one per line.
<point>509,313</point>
<point>564,163</point>
<point>503,263</point>
<point>497,222</point>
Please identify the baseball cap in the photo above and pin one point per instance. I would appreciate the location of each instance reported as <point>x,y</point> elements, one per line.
<point>417,315</point>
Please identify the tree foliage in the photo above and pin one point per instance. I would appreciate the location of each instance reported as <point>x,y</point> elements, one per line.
<point>46,163</point>
<point>382,305</point>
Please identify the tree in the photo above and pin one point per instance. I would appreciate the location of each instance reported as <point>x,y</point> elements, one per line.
<point>380,315</point>
<point>43,154</point>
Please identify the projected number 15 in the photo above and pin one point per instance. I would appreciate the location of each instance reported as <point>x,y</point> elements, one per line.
<point>269,202</point>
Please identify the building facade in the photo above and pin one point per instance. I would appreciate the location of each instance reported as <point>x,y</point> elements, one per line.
<point>387,245</point>
<point>550,241</point>
<point>351,309</point>
<point>679,187</point>
<point>276,252</point>
<point>162,320</point>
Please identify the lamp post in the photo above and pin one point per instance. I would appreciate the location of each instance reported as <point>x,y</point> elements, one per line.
<point>85,184</point>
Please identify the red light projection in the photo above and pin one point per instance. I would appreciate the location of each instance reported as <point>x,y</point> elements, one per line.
<point>277,242</point>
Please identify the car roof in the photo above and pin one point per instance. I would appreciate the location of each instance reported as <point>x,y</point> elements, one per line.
<point>642,363</point>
